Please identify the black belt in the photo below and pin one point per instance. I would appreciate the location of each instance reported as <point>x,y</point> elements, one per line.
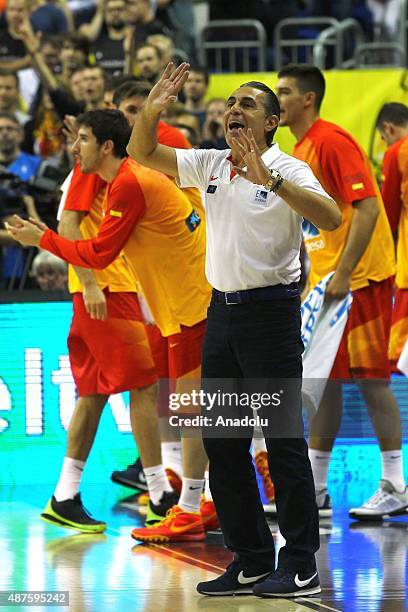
<point>274,292</point>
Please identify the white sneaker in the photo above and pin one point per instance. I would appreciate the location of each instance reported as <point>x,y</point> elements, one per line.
<point>323,502</point>
<point>385,502</point>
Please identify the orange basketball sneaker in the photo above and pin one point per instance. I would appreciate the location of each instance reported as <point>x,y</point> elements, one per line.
<point>177,526</point>
<point>209,514</point>
<point>261,463</point>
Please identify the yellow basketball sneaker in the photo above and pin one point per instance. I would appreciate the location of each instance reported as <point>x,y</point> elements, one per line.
<point>177,526</point>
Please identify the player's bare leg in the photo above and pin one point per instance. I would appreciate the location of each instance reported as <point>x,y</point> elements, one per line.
<point>323,429</point>
<point>391,497</point>
<point>65,507</point>
<point>83,426</point>
<point>145,428</point>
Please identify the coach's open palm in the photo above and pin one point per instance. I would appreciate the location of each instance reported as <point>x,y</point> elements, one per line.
<point>251,158</point>
<point>164,93</point>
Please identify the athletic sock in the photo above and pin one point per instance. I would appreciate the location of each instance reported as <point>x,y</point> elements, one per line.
<point>69,480</point>
<point>392,469</point>
<point>207,491</point>
<point>171,456</point>
<point>191,494</point>
<point>320,461</point>
<point>157,482</point>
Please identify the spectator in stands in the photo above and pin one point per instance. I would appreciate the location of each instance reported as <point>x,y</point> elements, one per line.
<point>213,128</point>
<point>178,15</point>
<point>47,18</point>
<point>113,84</point>
<point>10,97</point>
<point>93,82</point>
<point>50,272</point>
<point>107,32</point>
<point>195,90</point>
<point>148,63</point>
<point>24,166</point>
<point>165,46</point>
<point>13,54</point>
<point>186,121</point>
<point>141,15</point>
<point>74,54</point>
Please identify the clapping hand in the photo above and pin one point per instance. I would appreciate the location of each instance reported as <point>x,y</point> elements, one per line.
<point>164,93</point>
<point>27,233</point>
<point>251,158</point>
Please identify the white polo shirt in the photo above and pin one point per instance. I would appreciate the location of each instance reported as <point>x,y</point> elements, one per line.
<point>253,236</point>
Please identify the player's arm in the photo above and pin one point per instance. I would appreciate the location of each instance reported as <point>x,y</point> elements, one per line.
<point>143,145</point>
<point>361,230</point>
<point>347,173</point>
<point>391,189</point>
<point>126,206</point>
<point>94,298</point>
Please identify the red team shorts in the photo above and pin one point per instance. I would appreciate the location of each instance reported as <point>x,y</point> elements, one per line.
<point>175,357</point>
<point>399,327</point>
<point>113,355</point>
<point>363,351</point>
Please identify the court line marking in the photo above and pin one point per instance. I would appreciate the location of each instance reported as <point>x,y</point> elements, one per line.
<point>191,560</point>
<point>175,554</point>
<point>317,603</point>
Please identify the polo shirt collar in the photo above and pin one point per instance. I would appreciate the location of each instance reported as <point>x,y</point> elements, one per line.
<point>268,157</point>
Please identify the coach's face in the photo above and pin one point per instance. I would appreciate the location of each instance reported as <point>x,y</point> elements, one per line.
<point>87,150</point>
<point>246,109</point>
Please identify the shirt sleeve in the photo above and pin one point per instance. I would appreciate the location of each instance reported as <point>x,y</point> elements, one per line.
<point>171,136</point>
<point>194,167</point>
<point>345,169</point>
<point>391,187</point>
<point>302,175</point>
<point>126,205</point>
<point>83,190</point>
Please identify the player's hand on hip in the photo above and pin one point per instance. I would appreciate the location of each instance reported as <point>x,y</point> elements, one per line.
<point>27,233</point>
<point>165,92</point>
<point>251,158</point>
<point>338,287</point>
<point>95,302</point>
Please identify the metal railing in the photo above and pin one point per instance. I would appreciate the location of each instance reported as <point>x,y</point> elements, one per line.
<point>298,49</point>
<point>238,55</point>
<point>335,37</point>
<point>380,55</point>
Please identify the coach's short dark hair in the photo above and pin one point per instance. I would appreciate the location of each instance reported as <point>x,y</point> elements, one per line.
<point>271,104</point>
<point>108,124</point>
<point>308,78</point>
<point>131,89</point>
<point>393,112</point>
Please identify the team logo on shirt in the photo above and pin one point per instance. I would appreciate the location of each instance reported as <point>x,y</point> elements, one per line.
<point>261,196</point>
<point>312,237</point>
<point>193,221</point>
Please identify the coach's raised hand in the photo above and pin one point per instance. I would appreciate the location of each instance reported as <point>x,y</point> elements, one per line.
<point>27,233</point>
<point>165,92</point>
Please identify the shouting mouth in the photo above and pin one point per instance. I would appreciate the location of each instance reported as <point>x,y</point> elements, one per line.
<point>234,126</point>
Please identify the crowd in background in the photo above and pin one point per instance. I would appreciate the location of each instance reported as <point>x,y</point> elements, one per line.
<point>62,57</point>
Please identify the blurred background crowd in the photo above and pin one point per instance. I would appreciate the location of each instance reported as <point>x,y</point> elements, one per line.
<point>59,58</point>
